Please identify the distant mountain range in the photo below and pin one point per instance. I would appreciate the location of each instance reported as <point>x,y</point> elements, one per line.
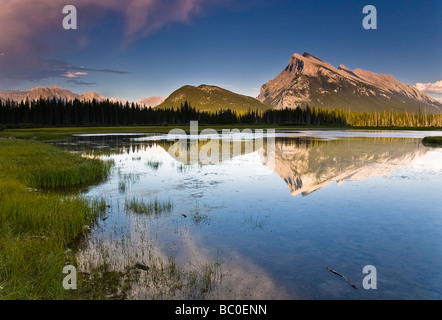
<point>61,93</point>
<point>306,80</point>
<point>151,101</point>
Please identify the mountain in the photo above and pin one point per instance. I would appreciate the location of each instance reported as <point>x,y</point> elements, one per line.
<point>308,80</point>
<point>36,93</point>
<point>299,167</point>
<point>151,102</point>
<point>61,93</point>
<point>91,96</point>
<point>53,92</point>
<point>212,98</point>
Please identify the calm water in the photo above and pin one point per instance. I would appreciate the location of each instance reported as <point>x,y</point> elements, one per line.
<point>276,219</point>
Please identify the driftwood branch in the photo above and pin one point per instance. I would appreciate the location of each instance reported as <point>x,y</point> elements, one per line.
<point>342,276</point>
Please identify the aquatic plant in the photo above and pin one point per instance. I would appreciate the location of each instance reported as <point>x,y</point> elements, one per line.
<point>155,165</point>
<point>151,207</point>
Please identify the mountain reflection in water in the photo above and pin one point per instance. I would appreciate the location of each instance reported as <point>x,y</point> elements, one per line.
<point>239,201</point>
<point>307,164</point>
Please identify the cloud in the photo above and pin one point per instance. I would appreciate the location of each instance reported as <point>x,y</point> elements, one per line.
<point>435,87</point>
<point>146,16</point>
<point>23,67</point>
<point>99,70</point>
<point>80,82</point>
<point>31,31</point>
<point>73,75</point>
<point>21,20</point>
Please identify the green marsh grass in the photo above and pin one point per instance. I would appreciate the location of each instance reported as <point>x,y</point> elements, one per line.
<point>44,166</point>
<point>433,141</point>
<point>37,224</point>
<point>155,206</point>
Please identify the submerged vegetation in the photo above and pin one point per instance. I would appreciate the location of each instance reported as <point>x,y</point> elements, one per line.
<point>171,281</point>
<point>37,224</point>
<point>157,278</point>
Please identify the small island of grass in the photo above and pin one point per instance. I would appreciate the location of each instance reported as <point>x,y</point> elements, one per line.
<point>432,141</point>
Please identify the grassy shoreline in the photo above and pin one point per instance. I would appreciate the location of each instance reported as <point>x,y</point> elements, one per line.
<point>58,133</point>
<point>37,224</point>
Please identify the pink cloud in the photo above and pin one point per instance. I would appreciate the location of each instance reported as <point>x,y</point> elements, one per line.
<point>149,15</point>
<point>20,20</point>
<point>73,75</point>
<point>30,30</point>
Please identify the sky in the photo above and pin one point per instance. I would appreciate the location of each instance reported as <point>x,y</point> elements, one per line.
<point>130,49</point>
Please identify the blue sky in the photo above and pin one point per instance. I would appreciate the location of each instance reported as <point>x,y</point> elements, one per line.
<point>138,48</point>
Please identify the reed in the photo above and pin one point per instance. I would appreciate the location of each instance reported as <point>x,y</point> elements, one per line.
<point>154,165</point>
<point>155,206</point>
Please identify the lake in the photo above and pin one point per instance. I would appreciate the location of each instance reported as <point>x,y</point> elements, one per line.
<point>266,216</point>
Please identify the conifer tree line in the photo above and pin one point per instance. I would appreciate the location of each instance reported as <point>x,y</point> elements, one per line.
<point>53,112</point>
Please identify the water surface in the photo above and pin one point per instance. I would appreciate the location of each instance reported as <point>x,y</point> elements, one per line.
<point>341,199</point>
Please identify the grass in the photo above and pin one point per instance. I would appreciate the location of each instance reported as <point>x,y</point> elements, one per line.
<point>154,165</point>
<point>433,141</point>
<point>37,224</point>
<point>122,187</point>
<point>155,206</point>
<point>255,223</point>
<point>44,166</point>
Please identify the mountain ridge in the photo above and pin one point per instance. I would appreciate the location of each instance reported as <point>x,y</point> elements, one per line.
<point>308,80</point>
<point>53,91</point>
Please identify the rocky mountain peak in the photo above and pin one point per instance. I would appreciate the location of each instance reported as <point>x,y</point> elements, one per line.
<point>308,80</point>
<point>311,57</point>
